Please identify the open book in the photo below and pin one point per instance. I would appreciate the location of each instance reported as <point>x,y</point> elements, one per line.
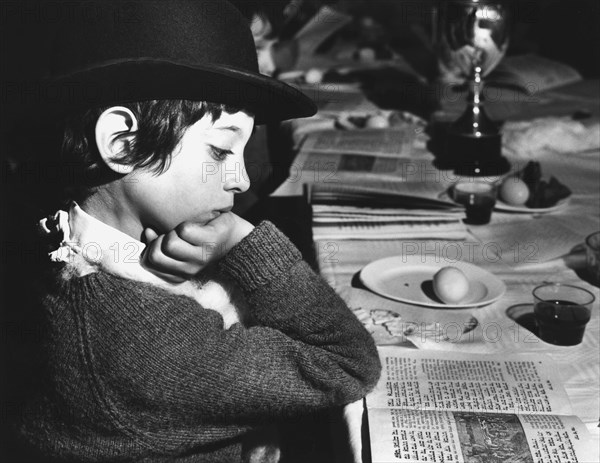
<point>435,406</point>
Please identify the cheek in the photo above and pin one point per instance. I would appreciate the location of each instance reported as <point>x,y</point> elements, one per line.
<point>188,199</point>
<point>185,192</point>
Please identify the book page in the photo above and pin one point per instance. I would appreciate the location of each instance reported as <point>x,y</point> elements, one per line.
<point>330,166</point>
<point>420,380</point>
<point>401,173</point>
<point>465,437</point>
<point>378,174</point>
<point>397,174</point>
<point>374,142</point>
<point>472,408</point>
<point>557,439</point>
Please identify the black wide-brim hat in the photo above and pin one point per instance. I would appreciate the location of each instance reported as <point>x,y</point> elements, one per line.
<point>111,52</point>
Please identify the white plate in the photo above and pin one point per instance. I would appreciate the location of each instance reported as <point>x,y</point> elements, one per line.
<point>503,207</point>
<point>409,279</point>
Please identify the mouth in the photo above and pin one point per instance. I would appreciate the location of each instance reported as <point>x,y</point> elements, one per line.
<point>218,212</point>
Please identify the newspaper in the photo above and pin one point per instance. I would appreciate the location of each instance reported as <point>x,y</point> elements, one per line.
<point>387,230</point>
<point>451,407</point>
<point>341,212</point>
<point>367,157</point>
<point>391,142</point>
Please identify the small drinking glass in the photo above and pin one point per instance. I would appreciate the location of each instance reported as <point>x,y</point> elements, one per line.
<point>561,312</point>
<point>478,196</point>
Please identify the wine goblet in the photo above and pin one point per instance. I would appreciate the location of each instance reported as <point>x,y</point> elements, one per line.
<point>472,38</point>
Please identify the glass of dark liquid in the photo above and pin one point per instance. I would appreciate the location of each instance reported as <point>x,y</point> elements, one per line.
<point>478,196</point>
<point>561,312</point>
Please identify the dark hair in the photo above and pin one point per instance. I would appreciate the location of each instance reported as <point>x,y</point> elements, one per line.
<point>161,125</point>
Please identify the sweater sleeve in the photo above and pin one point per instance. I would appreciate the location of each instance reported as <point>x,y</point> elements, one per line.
<point>169,359</point>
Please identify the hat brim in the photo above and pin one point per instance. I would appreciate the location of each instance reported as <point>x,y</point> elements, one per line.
<point>147,79</point>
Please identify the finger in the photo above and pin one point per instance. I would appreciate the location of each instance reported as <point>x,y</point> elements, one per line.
<point>155,260</point>
<point>195,233</point>
<point>211,232</point>
<point>149,235</point>
<point>175,247</point>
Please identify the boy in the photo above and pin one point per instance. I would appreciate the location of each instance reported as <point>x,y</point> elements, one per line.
<point>150,356</point>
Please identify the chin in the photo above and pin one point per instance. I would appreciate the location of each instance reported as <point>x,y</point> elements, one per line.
<point>202,219</point>
<point>213,216</point>
<point>169,222</point>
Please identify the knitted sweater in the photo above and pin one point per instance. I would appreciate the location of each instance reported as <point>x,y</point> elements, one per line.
<point>136,373</point>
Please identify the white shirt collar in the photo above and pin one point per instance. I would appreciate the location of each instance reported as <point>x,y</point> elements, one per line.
<point>89,245</point>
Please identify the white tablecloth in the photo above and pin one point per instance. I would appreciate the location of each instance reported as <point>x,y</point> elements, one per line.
<point>522,265</point>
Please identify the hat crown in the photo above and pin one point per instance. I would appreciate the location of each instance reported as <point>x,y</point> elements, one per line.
<point>110,52</point>
<point>186,32</point>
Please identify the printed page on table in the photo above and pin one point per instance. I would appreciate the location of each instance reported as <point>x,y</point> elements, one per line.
<point>343,211</point>
<point>391,142</point>
<point>384,230</point>
<point>333,213</point>
<point>532,242</point>
<point>373,172</point>
<point>421,380</point>
<point>415,196</point>
<point>384,174</point>
<point>400,174</point>
<point>470,408</point>
<point>413,436</point>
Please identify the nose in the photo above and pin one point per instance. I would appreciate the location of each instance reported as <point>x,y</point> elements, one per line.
<point>236,176</point>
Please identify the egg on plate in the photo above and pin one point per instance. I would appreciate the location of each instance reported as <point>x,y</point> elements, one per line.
<point>514,191</point>
<point>450,285</point>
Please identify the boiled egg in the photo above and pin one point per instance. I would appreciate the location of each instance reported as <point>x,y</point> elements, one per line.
<point>450,285</point>
<point>377,121</point>
<point>313,76</point>
<point>514,191</point>
<point>366,54</point>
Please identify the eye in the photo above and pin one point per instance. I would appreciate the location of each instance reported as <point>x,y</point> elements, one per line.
<point>218,153</point>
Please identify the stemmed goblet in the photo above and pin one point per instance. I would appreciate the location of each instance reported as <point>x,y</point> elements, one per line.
<point>472,37</point>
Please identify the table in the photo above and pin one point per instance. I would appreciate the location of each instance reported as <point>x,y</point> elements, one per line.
<point>579,365</point>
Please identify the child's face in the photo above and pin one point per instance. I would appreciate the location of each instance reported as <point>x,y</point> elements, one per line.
<point>206,171</point>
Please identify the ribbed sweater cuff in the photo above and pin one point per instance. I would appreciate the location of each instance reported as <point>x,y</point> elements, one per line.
<point>261,256</point>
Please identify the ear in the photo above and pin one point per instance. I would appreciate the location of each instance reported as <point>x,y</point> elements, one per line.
<point>113,122</point>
